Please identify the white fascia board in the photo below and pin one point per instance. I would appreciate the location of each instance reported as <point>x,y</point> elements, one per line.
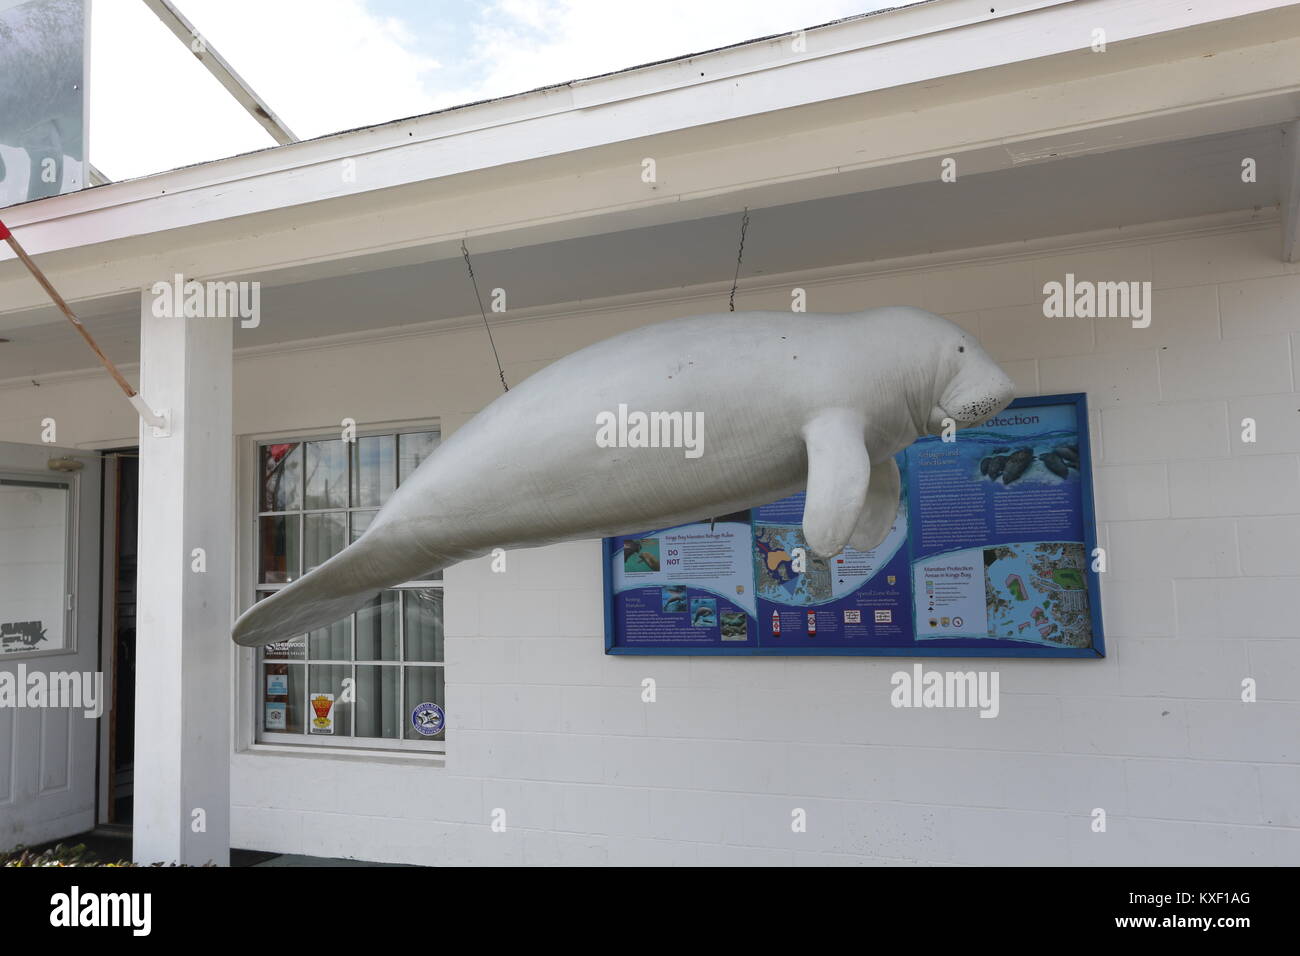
<point>701,173</point>
<point>907,46</point>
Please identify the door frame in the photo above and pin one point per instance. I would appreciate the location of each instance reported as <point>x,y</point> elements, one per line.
<point>110,492</point>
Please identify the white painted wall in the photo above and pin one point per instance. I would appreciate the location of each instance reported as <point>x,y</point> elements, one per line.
<point>1202,532</point>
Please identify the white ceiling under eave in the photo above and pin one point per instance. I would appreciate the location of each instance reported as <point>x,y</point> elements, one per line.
<point>863,107</point>
<point>1056,143</point>
<point>1092,192</point>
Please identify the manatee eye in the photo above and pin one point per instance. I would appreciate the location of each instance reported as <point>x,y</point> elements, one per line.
<point>961,348</point>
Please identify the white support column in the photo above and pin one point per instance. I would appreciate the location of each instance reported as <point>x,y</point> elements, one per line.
<point>1290,198</point>
<point>183,655</point>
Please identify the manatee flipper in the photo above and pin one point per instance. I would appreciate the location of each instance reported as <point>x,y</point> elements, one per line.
<point>839,472</point>
<point>881,508</point>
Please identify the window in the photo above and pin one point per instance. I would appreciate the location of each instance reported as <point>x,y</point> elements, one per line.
<point>35,576</point>
<point>375,678</point>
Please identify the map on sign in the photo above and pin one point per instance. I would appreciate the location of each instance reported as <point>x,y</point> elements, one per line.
<point>1037,592</point>
<point>774,567</point>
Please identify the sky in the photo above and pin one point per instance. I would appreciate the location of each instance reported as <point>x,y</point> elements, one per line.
<point>330,65</point>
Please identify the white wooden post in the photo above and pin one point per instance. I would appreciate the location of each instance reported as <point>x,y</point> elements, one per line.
<point>183,649</point>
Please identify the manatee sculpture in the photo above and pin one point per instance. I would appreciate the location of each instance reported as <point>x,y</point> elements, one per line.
<point>787,401</point>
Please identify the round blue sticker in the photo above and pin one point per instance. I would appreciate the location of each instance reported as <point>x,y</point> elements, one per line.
<point>428,719</point>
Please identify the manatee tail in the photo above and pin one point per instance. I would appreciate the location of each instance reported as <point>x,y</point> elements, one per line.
<point>380,558</point>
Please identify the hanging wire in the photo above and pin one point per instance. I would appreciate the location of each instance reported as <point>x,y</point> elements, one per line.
<point>740,254</point>
<point>744,225</point>
<point>464,251</point>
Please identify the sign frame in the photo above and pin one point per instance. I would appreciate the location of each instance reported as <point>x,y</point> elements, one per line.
<point>1097,651</point>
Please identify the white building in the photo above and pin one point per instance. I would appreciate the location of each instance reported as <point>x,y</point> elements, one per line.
<point>1169,157</point>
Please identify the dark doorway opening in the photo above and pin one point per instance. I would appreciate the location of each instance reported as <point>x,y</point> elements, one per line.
<point>121,510</point>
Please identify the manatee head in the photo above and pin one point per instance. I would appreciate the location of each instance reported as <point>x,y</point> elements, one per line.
<point>970,388</point>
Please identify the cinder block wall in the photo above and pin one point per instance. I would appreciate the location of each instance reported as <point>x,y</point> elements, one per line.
<point>1203,591</point>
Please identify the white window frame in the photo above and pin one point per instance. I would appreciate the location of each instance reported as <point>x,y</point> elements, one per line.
<point>248,686</point>
<point>71,593</point>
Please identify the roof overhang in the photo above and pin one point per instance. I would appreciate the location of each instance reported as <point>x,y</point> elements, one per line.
<point>871,103</point>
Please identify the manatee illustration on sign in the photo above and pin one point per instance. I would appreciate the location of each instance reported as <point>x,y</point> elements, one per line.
<point>787,402</point>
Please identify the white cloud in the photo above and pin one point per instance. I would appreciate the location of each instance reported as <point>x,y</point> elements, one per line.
<point>152,106</point>
<point>323,65</point>
<point>331,65</point>
<point>522,44</point>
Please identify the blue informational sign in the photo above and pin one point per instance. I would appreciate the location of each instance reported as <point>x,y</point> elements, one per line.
<point>991,554</point>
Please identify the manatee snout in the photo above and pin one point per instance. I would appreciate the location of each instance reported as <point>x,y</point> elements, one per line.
<point>979,403</point>
<point>978,391</point>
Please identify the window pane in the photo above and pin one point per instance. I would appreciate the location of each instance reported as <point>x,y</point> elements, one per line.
<point>332,643</point>
<point>33,566</point>
<point>294,649</point>
<point>379,704</point>
<point>377,628</point>
<point>325,535</point>
<point>413,449</point>
<point>282,706</point>
<point>288,649</point>
<point>424,685</point>
<point>328,714</point>
<point>423,624</point>
<point>374,470</point>
<point>361,521</point>
<point>327,475</point>
<point>281,477</point>
<point>278,547</point>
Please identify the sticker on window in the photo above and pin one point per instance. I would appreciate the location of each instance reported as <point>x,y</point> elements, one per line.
<point>427,719</point>
<point>323,707</point>
<point>275,717</point>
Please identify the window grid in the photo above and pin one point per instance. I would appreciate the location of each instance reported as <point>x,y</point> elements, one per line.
<point>403,596</point>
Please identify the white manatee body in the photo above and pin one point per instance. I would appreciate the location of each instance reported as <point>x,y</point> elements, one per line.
<point>787,400</point>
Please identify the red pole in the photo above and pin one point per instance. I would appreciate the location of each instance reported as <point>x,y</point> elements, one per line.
<point>39,276</point>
